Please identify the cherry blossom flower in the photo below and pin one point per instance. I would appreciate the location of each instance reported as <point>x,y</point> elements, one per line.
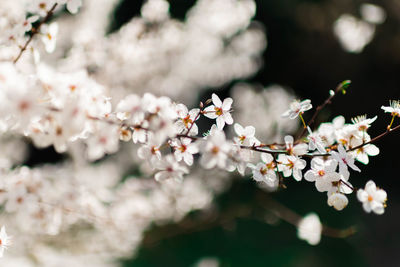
<point>245,135</point>
<point>291,165</point>
<point>170,169</point>
<point>215,151</point>
<point>322,173</point>
<point>130,110</point>
<point>338,201</point>
<point>373,198</point>
<point>5,240</point>
<point>184,149</point>
<point>265,171</point>
<point>345,159</point>
<point>186,120</point>
<point>315,141</point>
<point>362,123</point>
<point>151,150</point>
<point>104,140</point>
<point>297,150</point>
<point>362,154</point>
<point>297,107</point>
<point>72,5</point>
<point>393,108</point>
<point>220,111</point>
<point>310,229</point>
<point>49,39</point>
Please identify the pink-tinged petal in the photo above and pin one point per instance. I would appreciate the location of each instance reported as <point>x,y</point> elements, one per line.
<point>188,158</point>
<point>367,207</point>
<point>353,166</point>
<point>341,150</point>
<point>317,163</point>
<point>310,176</point>
<point>220,123</point>
<point>209,112</point>
<point>380,195</point>
<point>363,158</point>
<point>300,149</point>
<point>297,175</point>
<point>226,105</point>
<point>322,186</point>
<point>287,172</point>
<point>301,164</point>
<point>379,209</point>
<point>249,131</point>
<point>372,150</point>
<point>362,195</point>
<point>162,176</point>
<point>267,158</point>
<point>333,177</point>
<point>331,165</point>
<point>216,101</point>
<point>289,140</point>
<point>238,129</point>
<point>228,118</point>
<point>286,114</point>
<point>193,113</point>
<point>370,187</point>
<point>293,115</point>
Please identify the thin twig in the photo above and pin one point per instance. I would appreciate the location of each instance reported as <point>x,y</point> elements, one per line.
<point>339,87</point>
<point>35,31</point>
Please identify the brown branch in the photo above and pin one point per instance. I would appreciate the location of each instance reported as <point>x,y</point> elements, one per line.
<point>341,86</point>
<point>35,31</point>
<point>375,139</point>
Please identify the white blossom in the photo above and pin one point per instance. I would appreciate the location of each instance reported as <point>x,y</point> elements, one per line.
<point>393,108</point>
<point>215,150</point>
<point>184,149</point>
<point>373,198</point>
<point>345,159</point>
<point>291,165</point>
<point>310,229</point>
<point>220,111</point>
<point>338,201</point>
<point>297,107</point>
<point>169,169</point>
<point>323,173</point>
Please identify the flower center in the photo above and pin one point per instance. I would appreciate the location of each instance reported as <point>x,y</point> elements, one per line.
<point>263,171</point>
<point>215,150</point>
<point>370,198</point>
<point>270,165</point>
<point>182,148</point>
<point>218,111</point>
<point>321,173</point>
<point>187,120</point>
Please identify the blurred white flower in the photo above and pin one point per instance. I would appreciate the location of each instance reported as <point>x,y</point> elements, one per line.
<point>49,36</point>
<point>373,198</point>
<point>373,13</point>
<point>337,200</point>
<point>353,34</point>
<point>310,229</point>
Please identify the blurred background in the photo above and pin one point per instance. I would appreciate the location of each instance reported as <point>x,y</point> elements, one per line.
<point>312,46</point>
